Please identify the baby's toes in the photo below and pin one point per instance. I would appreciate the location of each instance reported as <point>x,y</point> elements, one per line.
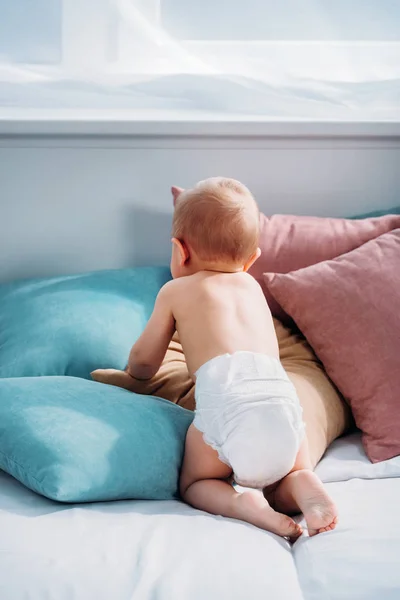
<point>329,527</point>
<point>289,528</point>
<point>297,532</point>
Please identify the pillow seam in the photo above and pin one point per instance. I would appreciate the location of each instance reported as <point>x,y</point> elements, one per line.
<point>23,469</point>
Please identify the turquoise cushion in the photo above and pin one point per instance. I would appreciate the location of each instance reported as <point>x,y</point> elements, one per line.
<point>73,325</point>
<point>379,213</point>
<point>74,440</point>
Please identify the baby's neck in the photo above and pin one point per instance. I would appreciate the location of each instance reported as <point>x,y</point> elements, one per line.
<point>222,270</point>
<point>217,267</point>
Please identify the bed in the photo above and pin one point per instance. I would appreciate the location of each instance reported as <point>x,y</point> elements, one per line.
<point>102,217</point>
<point>165,550</point>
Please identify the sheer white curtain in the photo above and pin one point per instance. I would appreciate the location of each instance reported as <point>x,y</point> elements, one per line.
<point>312,59</point>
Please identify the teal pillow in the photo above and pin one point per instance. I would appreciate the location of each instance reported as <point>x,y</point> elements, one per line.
<point>379,213</point>
<point>74,440</point>
<point>73,325</point>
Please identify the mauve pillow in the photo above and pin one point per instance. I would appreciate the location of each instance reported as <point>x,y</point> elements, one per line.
<point>348,309</point>
<point>289,243</point>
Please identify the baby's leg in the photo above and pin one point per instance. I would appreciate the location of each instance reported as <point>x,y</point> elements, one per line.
<point>302,491</point>
<point>204,485</point>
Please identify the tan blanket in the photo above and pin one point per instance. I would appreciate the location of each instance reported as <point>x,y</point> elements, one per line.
<point>325,413</point>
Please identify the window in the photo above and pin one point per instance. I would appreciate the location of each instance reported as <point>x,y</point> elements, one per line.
<point>312,59</point>
<point>328,20</point>
<point>30,32</point>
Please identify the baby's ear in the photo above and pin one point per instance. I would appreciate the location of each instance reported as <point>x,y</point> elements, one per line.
<point>176,191</point>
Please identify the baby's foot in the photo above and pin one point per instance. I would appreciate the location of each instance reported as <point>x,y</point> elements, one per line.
<point>253,508</point>
<point>317,507</point>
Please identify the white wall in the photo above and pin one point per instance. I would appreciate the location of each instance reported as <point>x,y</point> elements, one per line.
<point>75,203</point>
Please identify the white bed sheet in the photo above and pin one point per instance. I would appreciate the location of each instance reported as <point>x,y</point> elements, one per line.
<point>346,459</point>
<point>165,550</point>
<point>360,560</point>
<point>134,551</point>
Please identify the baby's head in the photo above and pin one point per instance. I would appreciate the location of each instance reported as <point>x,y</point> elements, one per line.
<point>215,227</point>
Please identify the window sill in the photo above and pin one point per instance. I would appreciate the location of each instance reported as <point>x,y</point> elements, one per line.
<point>70,123</point>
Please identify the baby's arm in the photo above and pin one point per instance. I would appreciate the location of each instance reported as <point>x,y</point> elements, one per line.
<point>149,350</point>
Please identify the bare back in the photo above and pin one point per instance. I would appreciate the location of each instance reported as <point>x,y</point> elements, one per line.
<point>218,313</point>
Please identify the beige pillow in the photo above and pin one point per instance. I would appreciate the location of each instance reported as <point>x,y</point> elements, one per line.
<point>325,413</point>
<point>172,381</point>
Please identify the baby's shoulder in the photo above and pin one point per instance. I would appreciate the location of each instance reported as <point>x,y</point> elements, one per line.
<point>176,288</point>
<point>244,281</point>
<point>181,295</point>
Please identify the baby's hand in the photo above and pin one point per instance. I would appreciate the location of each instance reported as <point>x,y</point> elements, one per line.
<point>115,377</point>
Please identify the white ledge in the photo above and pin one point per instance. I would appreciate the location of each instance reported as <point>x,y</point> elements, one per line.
<point>121,124</point>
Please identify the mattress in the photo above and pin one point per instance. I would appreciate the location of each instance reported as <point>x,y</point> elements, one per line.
<point>360,560</point>
<point>164,550</point>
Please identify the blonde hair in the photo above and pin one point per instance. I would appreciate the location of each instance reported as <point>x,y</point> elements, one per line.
<point>219,219</point>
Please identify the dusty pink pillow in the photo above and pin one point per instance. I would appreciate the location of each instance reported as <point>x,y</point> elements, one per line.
<point>288,243</point>
<point>349,310</point>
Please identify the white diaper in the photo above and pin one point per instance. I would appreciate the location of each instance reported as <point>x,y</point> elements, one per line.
<point>248,410</point>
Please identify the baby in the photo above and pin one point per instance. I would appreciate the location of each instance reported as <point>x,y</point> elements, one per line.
<point>248,420</point>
